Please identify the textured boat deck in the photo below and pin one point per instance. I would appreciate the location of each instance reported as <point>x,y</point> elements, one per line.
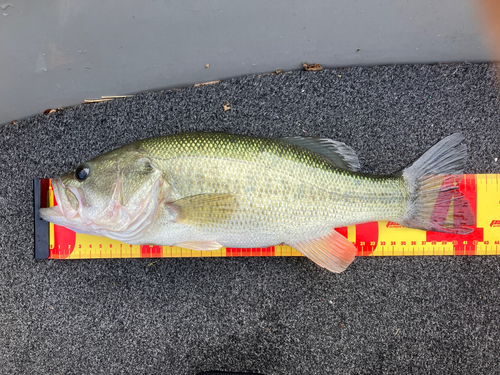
<point>269,315</point>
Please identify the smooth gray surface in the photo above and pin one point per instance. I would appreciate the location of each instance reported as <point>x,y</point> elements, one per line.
<point>56,53</point>
<point>437,315</point>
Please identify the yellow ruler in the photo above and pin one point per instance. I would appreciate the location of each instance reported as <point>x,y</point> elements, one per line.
<point>371,239</point>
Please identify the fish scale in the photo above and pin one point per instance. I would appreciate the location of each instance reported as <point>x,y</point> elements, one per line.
<point>283,192</point>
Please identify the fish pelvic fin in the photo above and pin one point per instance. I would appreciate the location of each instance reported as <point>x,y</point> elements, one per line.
<point>205,209</point>
<point>333,251</point>
<point>435,201</point>
<point>200,245</point>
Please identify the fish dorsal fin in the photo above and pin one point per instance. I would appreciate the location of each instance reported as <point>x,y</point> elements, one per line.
<point>205,209</point>
<point>338,153</point>
<point>333,251</point>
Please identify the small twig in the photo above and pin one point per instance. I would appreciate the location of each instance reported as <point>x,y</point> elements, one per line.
<point>115,96</point>
<point>106,98</point>
<point>96,100</point>
<point>206,83</point>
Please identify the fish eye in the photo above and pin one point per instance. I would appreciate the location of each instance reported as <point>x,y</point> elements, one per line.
<point>82,172</point>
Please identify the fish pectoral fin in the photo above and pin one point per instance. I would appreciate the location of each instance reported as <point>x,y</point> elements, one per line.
<point>338,153</point>
<point>200,245</point>
<point>205,209</point>
<point>333,251</point>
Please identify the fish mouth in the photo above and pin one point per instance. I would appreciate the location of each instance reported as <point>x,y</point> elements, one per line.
<point>51,213</point>
<point>70,200</point>
<point>116,221</point>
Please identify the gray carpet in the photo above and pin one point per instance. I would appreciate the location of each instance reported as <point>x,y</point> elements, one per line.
<point>273,316</point>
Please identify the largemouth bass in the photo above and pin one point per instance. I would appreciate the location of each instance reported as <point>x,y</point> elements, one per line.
<point>203,191</point>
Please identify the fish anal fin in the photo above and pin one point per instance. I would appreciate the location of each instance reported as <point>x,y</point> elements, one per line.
<point>333,251</point>
<point>200,245</point>
<point>338,153</point>
<point>205,209</point>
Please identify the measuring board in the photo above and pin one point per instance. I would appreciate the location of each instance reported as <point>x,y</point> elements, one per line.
<point>371,239</point>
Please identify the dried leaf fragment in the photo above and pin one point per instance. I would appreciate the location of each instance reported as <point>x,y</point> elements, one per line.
<point>226,107</point>
<point>207,66</point>
<point>313,67</point>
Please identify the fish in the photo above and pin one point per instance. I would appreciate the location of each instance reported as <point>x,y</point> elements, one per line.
<point>207,190</point>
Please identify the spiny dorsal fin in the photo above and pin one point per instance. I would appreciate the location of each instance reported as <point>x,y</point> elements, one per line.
<point>205,209</point>
<point>338,153</point>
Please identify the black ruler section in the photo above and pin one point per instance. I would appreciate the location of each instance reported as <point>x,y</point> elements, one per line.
<point>41,226</point>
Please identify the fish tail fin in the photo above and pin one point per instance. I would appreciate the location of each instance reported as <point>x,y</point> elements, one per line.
<point>435,201</point>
